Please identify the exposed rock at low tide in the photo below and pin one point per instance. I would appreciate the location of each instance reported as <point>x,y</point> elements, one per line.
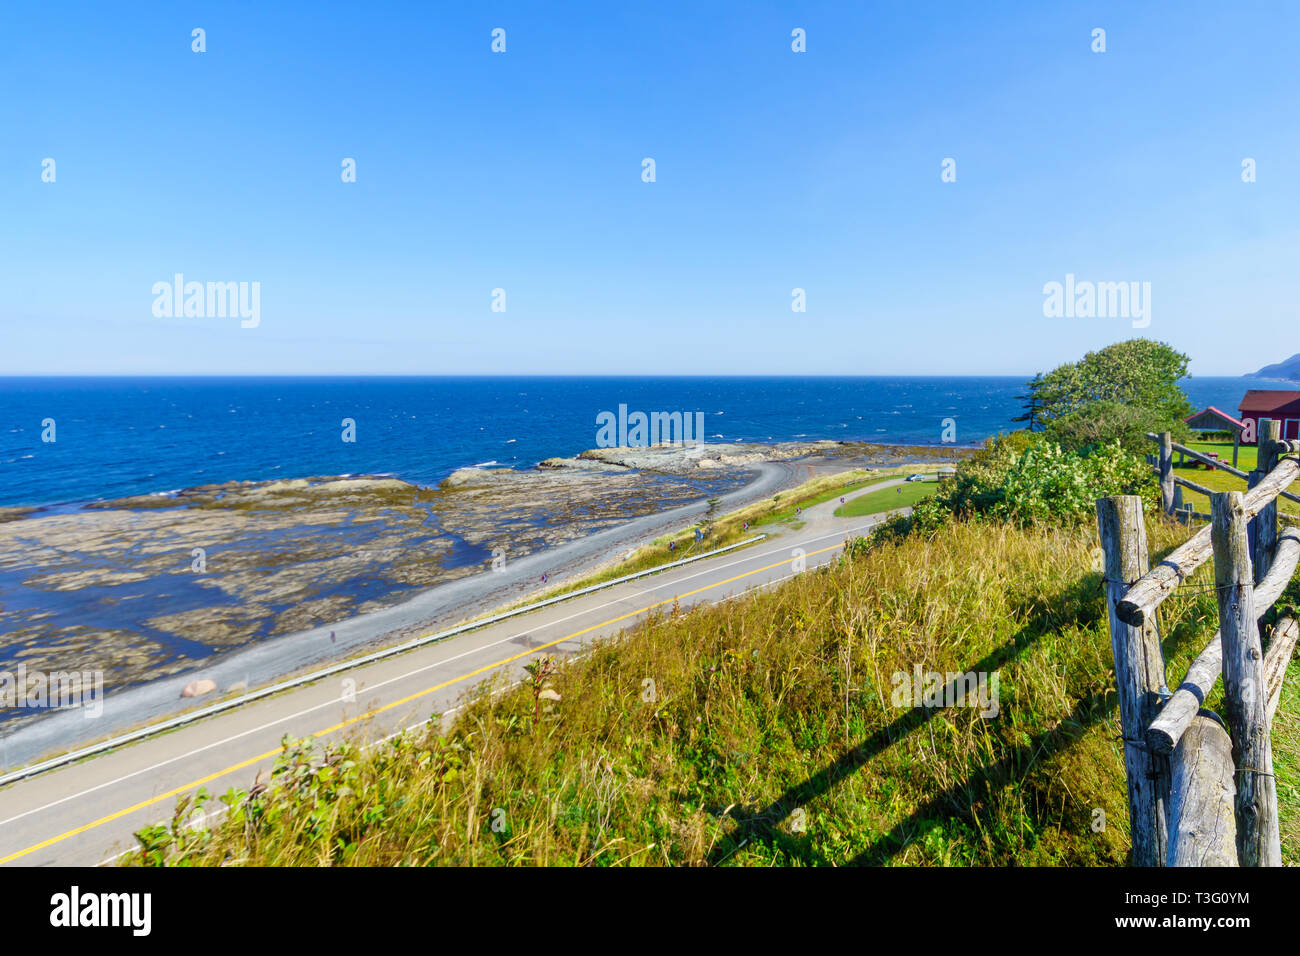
<point>13,514</point>
<point>711,457</point>
<point>150,585</point>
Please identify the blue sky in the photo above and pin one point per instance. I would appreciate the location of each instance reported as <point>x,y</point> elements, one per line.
<point>522,171</point>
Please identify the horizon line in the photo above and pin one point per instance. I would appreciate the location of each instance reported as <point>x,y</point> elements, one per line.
<point>592,375</point>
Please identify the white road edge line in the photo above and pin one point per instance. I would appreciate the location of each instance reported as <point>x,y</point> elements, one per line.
<point>218,811</point>
<point>429,639</point>
<point>373,687</point>
<point>216,708</point>
<point>412,673</point>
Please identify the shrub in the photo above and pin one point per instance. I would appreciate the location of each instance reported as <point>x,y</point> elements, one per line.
<point>1024,478</point>
<point>1103,423</point>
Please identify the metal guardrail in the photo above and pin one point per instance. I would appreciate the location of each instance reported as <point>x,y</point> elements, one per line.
<point>181,719</point>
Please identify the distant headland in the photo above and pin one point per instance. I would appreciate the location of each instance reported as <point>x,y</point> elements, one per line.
<point>1289,369</point>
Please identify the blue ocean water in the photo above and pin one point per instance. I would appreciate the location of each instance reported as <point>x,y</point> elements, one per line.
<point>124,436</point>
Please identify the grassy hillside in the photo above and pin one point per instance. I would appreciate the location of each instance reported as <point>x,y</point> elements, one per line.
<point>770,734</point>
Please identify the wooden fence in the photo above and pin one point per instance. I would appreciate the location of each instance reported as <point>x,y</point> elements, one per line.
<point>1201,790</point>
<point>1172,485</point>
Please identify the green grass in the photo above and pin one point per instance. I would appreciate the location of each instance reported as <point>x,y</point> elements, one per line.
<point>887,499</point>
<point>1247,455</point>
<point>769,734</point>
<point>1219,480</point>
<point>785,512</point>
<point>1286,764</point>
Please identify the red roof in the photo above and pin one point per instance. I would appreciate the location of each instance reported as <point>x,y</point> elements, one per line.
<point>1267,400</point>
<point>1211,410</point>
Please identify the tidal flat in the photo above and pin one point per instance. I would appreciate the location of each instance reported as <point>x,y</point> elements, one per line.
<point>150,586</point>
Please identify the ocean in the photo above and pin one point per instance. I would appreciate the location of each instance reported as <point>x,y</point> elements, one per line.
<point>130,436</point>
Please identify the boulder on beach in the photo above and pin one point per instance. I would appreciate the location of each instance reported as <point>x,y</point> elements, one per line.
<point>197,688</point>
<point>465,476</point>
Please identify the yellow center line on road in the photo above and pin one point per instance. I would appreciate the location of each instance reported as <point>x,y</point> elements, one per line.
<point>379,710</point>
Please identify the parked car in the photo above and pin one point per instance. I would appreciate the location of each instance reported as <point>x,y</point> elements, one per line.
<point>916,477</point>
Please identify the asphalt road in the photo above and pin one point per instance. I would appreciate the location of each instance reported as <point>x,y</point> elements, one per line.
<point>85,813</point>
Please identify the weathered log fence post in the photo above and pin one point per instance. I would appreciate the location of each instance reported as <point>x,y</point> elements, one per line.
<point>1222,796</point>
<point>1202,821</point>
<point>1139,676</point>
<point>1258,839</point>
<point>1166,473</point>
<point>1265,538</point>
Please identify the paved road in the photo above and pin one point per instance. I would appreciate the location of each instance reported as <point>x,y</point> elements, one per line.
<point>431,610</point>
<point>86,813</point>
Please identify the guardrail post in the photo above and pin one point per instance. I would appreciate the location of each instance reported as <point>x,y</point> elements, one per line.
<point>1166,473</point>
<point>1139,677</point>
<point>1258,841</point>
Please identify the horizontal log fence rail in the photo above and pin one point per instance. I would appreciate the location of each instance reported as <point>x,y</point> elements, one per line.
<point>1201,790</point>
<point>1171,483</point>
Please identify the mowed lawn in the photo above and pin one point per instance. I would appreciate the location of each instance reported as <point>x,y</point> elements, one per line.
<point>887,499</point>
<point>1246,454</point>
<point>1219,480</point>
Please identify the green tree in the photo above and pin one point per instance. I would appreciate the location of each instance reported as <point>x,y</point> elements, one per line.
<point>1033,402</point>
<point>1115,394</point>
<point>1105,422</point>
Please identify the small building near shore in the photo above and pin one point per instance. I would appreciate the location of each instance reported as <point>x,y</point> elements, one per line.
<point>1270,403</point>
<point>1210,419</point>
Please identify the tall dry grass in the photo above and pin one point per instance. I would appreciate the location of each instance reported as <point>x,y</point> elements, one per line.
<point>768,734</point>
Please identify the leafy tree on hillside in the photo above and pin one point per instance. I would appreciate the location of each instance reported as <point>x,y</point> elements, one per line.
<point>1095,414</point>
<point>1115,394</point>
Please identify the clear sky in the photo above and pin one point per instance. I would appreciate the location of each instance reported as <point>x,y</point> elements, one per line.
<point>523,171</point>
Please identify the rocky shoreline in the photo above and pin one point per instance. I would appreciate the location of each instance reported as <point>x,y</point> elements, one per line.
<point>147,587</point>
<point>710,457</point>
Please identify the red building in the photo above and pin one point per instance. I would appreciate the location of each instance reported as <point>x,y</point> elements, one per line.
<point>1266,403</point>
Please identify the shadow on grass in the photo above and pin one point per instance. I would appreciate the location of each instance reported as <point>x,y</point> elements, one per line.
<point>763,826</point>
<point>982,786</point>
